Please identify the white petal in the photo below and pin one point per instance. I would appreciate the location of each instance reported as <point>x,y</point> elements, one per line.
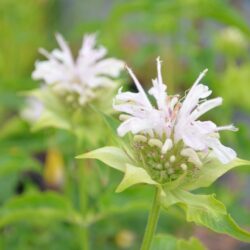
<point>110,66</point>
<point>65,54</point>
<point>134,110</point>
<point>224,154</point>
<point>131,97</point>
<point>134,125</point>
<point>159,89</point>
<point>139,87</point>
<point>204,107</point>
<point>196,93</point>
<point>88,53</point>
<point>202,74</point>
<point>228,127</point>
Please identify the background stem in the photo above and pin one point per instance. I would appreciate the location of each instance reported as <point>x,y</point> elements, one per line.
<point>83,200</point>
<point>152,222</point>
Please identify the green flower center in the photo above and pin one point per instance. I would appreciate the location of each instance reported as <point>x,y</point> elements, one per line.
<point>163,167</point>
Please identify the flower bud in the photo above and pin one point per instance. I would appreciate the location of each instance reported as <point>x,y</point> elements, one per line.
<point>192,156</point>
<point>155,142</point>
<point>140,138</point>
<point>168,144</point>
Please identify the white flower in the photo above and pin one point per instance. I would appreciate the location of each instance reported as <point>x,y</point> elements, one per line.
<point>32,110</point>
<point>172,121</point>
<point>81,77</point>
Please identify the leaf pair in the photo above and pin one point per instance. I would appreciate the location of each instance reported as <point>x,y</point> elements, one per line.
<point>122,161</point>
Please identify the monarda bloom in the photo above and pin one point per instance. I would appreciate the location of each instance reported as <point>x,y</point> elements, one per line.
<point>72,87</point>
<point>168,137</point>
<point>78,81</point>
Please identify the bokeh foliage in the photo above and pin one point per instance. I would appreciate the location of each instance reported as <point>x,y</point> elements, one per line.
<point>189,35</point>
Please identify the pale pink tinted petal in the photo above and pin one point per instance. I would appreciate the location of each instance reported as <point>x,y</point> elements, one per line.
<point>111,67</point>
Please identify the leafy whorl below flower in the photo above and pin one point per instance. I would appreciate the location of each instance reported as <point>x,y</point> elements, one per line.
<point>172,125</point>
<point>78,79</point>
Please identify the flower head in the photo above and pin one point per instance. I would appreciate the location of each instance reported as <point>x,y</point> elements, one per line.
<point>168,135</point>
<point>78,79</point>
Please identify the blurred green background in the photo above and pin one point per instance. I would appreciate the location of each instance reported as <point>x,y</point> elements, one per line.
<point>189,35</point>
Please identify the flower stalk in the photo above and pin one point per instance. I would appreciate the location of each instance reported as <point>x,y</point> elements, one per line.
<point>152,221</point>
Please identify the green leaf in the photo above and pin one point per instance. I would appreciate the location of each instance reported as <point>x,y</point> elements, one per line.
<point>112,156</point>
<point>134,175</point>
<point>38,206</point>
<point>169,242</point>
<point>210,172</point>
<point>205,210</point>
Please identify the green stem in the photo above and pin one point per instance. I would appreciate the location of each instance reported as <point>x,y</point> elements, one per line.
<point>82,184</point>
<point>152,222</point>
<point>83,198</point>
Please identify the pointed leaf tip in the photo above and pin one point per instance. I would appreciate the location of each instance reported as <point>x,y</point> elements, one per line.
<point>134,175</point>
<point>112,156</point>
